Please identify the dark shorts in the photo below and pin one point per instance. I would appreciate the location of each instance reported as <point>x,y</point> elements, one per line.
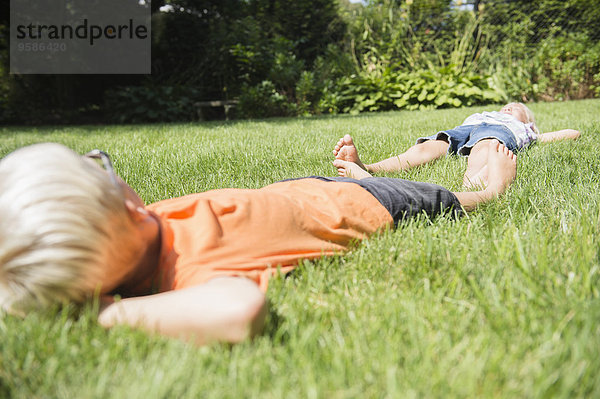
<point>463,138</point>
<point>404,198</point>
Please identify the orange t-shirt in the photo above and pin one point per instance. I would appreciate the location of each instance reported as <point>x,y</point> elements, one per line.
<point>254,232</point>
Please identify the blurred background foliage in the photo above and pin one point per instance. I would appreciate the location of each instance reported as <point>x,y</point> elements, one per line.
<point>287,58</point>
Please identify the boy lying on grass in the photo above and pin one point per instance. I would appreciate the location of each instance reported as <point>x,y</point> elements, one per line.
<point>514,126</point>
<point>194,267</point>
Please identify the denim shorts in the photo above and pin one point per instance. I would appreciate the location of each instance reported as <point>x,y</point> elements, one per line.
<point>463,138</point>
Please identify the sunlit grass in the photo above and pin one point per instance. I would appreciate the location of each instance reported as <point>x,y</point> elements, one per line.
<point>501,303</point>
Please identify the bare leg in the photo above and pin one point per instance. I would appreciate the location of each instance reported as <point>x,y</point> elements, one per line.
<point>476,174</point>
<point>416,155</point>
<point>501,171</point>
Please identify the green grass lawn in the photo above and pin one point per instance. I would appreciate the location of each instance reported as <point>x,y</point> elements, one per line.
<point>501,303</point>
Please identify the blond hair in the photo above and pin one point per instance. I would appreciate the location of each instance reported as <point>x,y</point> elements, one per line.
<point>529,115</point>
<point>63,224</point>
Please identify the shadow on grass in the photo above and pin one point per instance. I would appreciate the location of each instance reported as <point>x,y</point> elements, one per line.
<point>276,323</point>
<point>273,325</point>
<point>5,391</point>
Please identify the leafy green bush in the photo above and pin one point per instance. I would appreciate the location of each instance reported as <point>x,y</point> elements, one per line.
<point>263,101</point>
<point>135,104</point>
<point>280,72</point>
<point>516,80</point>
<point>560,68</point>
<point>406,33</point>
<point>426,89</point>
<point>5,109</point>
<point>308,93</point>
<point>569,64</point>
<point>596,87</point>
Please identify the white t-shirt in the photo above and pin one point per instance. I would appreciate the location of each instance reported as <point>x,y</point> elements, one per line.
<point>523,132</point>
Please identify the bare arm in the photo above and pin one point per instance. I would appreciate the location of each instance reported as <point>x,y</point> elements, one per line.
<point>565,134</point>
<point>228,309</point>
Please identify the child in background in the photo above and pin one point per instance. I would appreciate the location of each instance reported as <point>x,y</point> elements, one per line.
<point>514,126</point>
<point>194,267</point>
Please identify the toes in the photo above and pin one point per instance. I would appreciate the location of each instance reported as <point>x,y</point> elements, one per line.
<point>340,167</point>
<point>336,149</point>
<point>495,146</point>
<point>348,140</point>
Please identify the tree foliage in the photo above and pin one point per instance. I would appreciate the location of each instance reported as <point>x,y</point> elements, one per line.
<point>306,57</point>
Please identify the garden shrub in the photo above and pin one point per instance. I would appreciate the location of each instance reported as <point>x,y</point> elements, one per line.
<point>560,68</point>
<point>425,89</point>
<point>516,80</point>
<point>263,101</point>
<point>136,104</point>
<point>569,64</point>
<point>282,58</point>
<point>596,87</point>
<point>308,93</point>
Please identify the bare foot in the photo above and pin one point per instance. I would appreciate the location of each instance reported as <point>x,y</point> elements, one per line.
<point>350,169</point>
<point>345,150</point>
<point>478,181</point>
<point>502,169</point>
